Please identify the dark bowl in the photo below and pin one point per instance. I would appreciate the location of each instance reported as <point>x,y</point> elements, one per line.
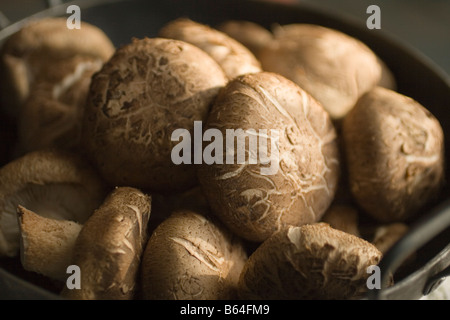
<point>416,77</point>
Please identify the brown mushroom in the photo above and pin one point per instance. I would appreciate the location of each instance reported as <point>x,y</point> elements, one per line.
<point>234,58</point>
<point>146,91</point>
<point>335,68</point>
<point>109,247</point>
<point>31,52</point>
<point>51,116</point>
<point>394,149</point>
<point>189,256</point>
<point>54,184</point>
<point>255,197</point>
<point>312,262</point>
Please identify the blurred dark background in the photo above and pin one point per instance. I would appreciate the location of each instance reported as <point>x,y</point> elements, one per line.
<point>422,24</point>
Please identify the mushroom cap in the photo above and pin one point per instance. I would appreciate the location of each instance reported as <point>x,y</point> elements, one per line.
<point>51,36</point>
<point>146,91</point>
<point>32,50</point>
<point>254,204</point>
<point>46,245</point>
<point>234,58</point>
<point>51,117</point>
<point>109,247</point>
<point>51,183</point>
<point>394,150</point>
<point>190,256</point>
<point>336,69</point>
<point>313,262</point>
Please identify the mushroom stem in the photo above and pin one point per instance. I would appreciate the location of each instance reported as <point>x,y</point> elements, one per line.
<point>109,247</point>
<point>51,183</point>
<point>46,245</point>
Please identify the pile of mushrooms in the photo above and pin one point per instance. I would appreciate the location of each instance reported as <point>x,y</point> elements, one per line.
<point>91,182</point>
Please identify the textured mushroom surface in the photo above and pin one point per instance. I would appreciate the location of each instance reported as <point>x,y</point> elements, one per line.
<point>334,68</point>
<point>53,184</point>
<point>31,52</point>
<point>189,256</point>
<point>234,58</point>
<point>46,245</point>
<point>304,158</point>
<point>109,247</point>
<point>395,154</point>
<point>311,262</point>
<point>146,91</point>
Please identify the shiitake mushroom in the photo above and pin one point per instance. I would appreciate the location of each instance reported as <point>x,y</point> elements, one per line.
<point>297,184</point>
<point>147,90</point>
<point>313,262</point>
<point>394,149</point>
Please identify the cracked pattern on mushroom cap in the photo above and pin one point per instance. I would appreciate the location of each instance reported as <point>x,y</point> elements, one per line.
<point>191,257</point>
<point>234,58</point>
<point>52,183</point>
<point>395,153</point>
<point>108,249</point>
<point>308,262</point>
<point>334,68</point>
<point>254,205</point>
<point>147,90</point>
